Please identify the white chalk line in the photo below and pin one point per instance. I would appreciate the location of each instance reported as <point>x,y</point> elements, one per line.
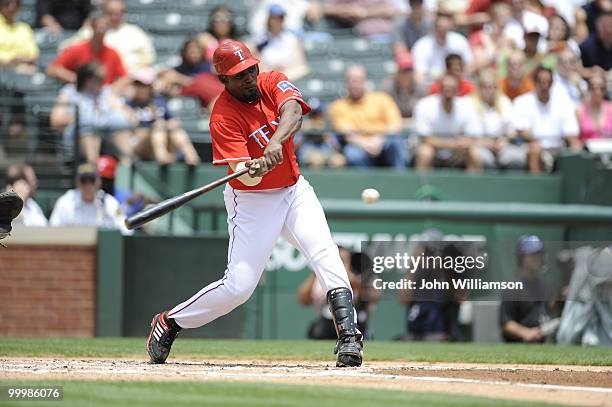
<point>226,372</point>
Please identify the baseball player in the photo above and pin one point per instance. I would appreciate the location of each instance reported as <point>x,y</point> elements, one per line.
<point>252,125</point>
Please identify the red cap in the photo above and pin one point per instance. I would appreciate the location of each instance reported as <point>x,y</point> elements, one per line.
<point>232,57</point>
<point>107,166</point>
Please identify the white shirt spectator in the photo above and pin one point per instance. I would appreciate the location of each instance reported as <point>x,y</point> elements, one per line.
<point>284,53</point>
<point>563,88</point>
<point>492,121</point>
<point>105,211</point>
<point>430,118</point>
<point>130,41</point>
<point>515,30</point>
<point>31,215</point>
<point>429,56</point>
<point>549,123</point>
<point>294,18</point>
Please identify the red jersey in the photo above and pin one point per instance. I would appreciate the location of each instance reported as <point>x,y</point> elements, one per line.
<point>240,131</point>
<point>82,53</point>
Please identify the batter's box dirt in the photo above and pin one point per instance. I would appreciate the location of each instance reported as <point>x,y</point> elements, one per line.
<point>572,385</point>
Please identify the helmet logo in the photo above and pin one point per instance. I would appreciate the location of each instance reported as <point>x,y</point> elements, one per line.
<point>239,53</point>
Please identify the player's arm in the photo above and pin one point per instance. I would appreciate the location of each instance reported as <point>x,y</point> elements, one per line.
<point>289,123</point>
<point>516,330</point>
<point>251,178</point>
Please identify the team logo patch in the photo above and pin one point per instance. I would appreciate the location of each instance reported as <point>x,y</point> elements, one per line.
<point>286,85</point>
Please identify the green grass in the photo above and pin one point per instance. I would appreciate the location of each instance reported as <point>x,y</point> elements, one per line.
<point>313,350</point>
<point>224,394</point>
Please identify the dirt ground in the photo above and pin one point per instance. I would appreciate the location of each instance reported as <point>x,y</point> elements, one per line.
<point>572,385</point>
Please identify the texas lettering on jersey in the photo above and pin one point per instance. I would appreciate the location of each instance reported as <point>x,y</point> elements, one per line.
<point>241,131</point>
<point>261,134</point>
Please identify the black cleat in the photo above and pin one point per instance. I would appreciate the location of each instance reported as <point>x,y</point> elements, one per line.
<point>349,346</point>
<point>163,333</point>
<point>350,352</point>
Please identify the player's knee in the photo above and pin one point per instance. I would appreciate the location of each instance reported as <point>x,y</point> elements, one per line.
<point>240,294</point>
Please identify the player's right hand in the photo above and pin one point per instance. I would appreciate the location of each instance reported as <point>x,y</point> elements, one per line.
<point>257,167</point>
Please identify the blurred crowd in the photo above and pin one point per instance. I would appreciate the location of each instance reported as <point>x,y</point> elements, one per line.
<point>478,83</point>
<point>96,200</point>
<point>575,308</point>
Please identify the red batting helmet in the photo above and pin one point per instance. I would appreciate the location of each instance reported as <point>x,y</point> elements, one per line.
<point>232,57</point>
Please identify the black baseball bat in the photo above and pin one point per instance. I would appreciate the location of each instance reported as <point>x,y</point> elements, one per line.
<point>171,204</point>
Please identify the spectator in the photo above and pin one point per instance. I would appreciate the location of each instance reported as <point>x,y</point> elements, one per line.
<point>101,114</point>
<point>595,113</point>
<point>589,13</point>
<point>280,49</point>
<point>159,134</point>
<point>193,76</point>
<point>533,55</point>
<point>370,123</point>
<point>494,115</point>
<point>523,311</point>
<point>403,87</point>
<point>130,41</point>
<point>443,125</point>
<point>454,66</point>
<point>596,50</point>
<point>18,50</point>
<point>370,18</point>
<point>317,145</point>
<point>432,314</point>
<point>430,51</point>
<point>517,82</point>
<point>27,171</point>
<point>221,26</point>
<point>415,26</point>
<point>298,12</point>
<point>65,66</point>
<point>526,18</point>
<point>543,124</point>
<point>31,214</point>
<point>559,36</point>
<point>568,82</point>
<point>491,41</point>
<point>58,15</point>
<point>18,53</point>
<point>88,205</point>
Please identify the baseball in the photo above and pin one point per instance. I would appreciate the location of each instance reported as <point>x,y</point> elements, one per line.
<point>370,195</point>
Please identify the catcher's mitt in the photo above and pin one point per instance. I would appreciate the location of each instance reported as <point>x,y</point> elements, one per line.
<point>10,207</point>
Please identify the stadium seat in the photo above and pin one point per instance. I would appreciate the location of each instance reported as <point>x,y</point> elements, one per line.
<point>328,68</point>
<point>165,23</point>
<point>169,43</point>
<point>325,90</point>
<point>357,47</point>
<point>185,108</point>
<point>317,49</point>
<point>37,83</point>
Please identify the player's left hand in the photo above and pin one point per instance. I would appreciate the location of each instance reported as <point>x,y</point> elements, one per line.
<point>257,167</point>
<point>273,153</point>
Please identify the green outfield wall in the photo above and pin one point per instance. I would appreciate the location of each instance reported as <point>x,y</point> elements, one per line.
<point>141,275</point>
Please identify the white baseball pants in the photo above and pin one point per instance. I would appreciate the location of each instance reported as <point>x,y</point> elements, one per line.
<point>255,220</point>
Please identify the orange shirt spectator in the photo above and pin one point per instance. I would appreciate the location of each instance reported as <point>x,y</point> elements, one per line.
<point>512,92</point>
